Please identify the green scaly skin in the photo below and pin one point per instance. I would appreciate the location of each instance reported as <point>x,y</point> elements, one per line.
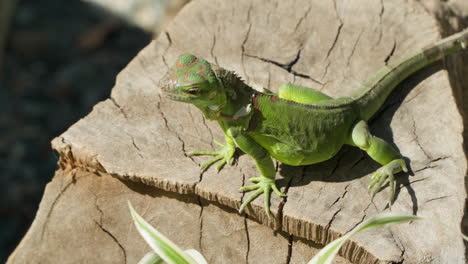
<point>299,126</point>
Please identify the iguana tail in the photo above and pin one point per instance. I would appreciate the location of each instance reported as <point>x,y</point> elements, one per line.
<point>375,90</point>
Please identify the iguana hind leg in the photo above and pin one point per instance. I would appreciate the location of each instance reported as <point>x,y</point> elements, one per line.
<point>301,94</point>
<point>383,153</point>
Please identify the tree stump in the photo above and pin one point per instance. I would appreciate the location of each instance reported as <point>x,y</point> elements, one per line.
<point>134,145</point>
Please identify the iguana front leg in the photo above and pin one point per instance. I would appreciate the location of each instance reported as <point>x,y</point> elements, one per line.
<point>266,182</point>
<point>383,153</point>
<point>223,156</point>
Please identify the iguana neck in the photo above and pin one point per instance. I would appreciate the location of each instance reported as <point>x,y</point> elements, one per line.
<point>238,98</point>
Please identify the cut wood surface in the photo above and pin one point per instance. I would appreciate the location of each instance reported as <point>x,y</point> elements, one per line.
<point>138,136</point>
<point>84,218</point>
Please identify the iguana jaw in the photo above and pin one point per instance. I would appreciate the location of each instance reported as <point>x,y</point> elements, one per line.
<point>176,97</point>
<point>195,94</point>
<point>171,91</point>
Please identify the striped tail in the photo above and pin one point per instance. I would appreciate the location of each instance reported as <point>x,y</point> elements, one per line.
<point>371,96</point>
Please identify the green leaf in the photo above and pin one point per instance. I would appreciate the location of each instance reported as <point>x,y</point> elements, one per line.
<point>196,256</point>
<point>163,247</point>
<point>326,255</point>
<point>151,258</point>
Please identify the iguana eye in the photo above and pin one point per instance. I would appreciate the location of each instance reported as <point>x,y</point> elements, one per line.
<point>193,91</point>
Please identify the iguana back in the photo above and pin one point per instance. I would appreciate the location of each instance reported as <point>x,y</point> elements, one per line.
<point>301,134</point>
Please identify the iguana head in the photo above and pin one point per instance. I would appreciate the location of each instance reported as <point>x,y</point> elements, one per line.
<point>193,80</point>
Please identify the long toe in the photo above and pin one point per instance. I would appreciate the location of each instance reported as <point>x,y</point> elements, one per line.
<point>249,188</point>
<point>277,191</point>
<point>250,199</point>
<point>255,179</point>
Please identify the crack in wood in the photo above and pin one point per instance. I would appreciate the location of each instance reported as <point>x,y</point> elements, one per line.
<point>416,139</point>
<point>169,41</point>
<point>200,219</point>
<point>55,201</point>
<point>392,51</point>
<point>243,184</point>
<point>279,218</point>
<point>246,228</point>
<point>361,220</point>
<point>340,197</point>
<point>287,66</point>
<point>425,168</point>
<point>290,249</point>
<point>397,242</point>
<point>301,19</point>
<point>213,44</point>
<point>338,31</point>
<point>243,52</point>
<point>249,11</point>
<point>328,225</point>
<point>354,48</point>
<point>122,249</point>
<point>168,37</point>
<point>382,10</point>
<point>101,226</point>
<point>161,112</point>
<point>337,35</point>
<point>112,99</point>
<point>437,198</point>
<point>135,146</point>
<point>325,73</point>
<point>416,94</point>
<point>192,117</point>
<point>402,259</point>
<point>431,166</point>
<point>418,180</point>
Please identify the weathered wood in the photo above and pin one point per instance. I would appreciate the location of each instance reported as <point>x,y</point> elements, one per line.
<point>329,45</point>
<point>84,218</point>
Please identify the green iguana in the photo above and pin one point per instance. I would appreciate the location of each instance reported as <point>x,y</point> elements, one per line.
<point>299,126</point>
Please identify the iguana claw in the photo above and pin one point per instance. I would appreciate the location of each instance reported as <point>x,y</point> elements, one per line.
<point>386,172</point>
<point>224,155</point>
<point>263,185</point>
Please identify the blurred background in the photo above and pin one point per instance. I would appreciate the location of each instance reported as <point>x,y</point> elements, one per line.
<point>58,59</point>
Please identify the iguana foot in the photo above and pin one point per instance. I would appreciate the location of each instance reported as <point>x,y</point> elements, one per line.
<point>263,185</point>
<point>224,155</point>
<point>386,172</point>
